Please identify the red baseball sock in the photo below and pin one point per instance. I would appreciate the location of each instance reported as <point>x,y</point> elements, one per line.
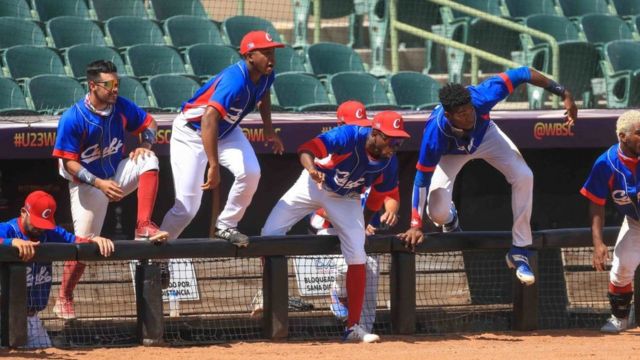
<point>356,280</point>
<point>147,191</point>
<point>71,275</point>
<point>620,289</point>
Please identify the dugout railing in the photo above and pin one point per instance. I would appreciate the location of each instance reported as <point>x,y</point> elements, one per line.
<point>495,300</point>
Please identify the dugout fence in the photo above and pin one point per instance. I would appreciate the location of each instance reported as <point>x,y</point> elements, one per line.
<point>452,283</point>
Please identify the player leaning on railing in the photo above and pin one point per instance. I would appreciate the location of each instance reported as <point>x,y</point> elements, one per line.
<point>459,130</point>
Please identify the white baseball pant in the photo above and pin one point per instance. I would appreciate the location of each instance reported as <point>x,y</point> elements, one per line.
<point>89,204</point>
<point>368,315</point>
<point>344,212</point>
<point>501,153</point>
<point>37,337</point>
<point>626,253</point>
<point>188,165</point>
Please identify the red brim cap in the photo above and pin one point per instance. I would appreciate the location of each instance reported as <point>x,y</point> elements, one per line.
<point>258,40</point>
<point>364,123</point>
<point>396,133</point>
<point>40,223</point>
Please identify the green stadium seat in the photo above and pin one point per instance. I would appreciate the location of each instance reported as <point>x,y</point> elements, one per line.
<point>572,8</point>
<point>621,69</point>
<point>12,100</point>
<point>15,8</point>
<point>627,7</point>
<point>423,15</point>
<point>301,92</point>
<point>132,89</point>
<point>488,6</point>
<point>561,28</point>
<point>602,28</point>
<point>53,94</point>
<point>363,87</point>
<point>236,27</point>
<point>170,91</point>
<point>25,61</point>
<point>16,31</point>
<point>327,58</point>
<point>329,9</point>
<point>164,9</point>
<point>107,9</point>
<point>187,30</point>
<point>78,57</point>
<point>67,31</point>
<point>48,9</point>
<point>125,31</point>
<point>414,90</point>
<point>522,9</point>
<point>207,60</point>
<point>146,60</point>
<point>289,60</point>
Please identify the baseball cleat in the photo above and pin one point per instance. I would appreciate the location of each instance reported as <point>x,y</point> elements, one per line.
<point>357,333</point>
<point>64,309</point>
<point>338,308</point>
<point>518,258</point>
<point>258,304</point>
<point>453,225</point>
<point>149,231</point>
<point>233,236</point>
<point>615,325</point>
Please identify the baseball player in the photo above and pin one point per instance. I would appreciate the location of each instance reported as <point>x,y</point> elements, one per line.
<point>459,130</point>
<point>206,132</point>
<point>338,166</point>
<point>36,225</point>
<point>90,148</point>
<point>614,174</point>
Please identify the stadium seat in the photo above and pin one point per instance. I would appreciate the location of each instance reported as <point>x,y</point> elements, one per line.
<point>363,87</point>
<point>107,9</point>
<point>414,90</point>
<point>301,92</point>
<point>52,94</point>
<point>67,31</point>
<point>423,15</point>
<point>78,57</point>
<point>236,27</point>
<point>327,58</point>
<point>621,69</point>
<point>48,9</point>
<point>288,60</point>
<point>15,8</point>
<point>146,60</point>
<point>522,9</point>
<point>627,7</point>
<point>601,28</point>
<point>207,60</point>
<point>133,90</point>
<point>25,61</point>
<point>12,100</point>
<point>125,31</point>
<point>170,91</point>
<point>329,9</point>
<point>572,8</point>
<point>164,9</point>
<point>187,30</point>
<point>16,31</point>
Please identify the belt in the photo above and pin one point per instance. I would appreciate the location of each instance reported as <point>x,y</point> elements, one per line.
<point>191,126</point>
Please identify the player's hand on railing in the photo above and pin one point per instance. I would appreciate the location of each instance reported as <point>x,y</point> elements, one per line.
<point>26,248</point>
<point>600,256</point>
<point>570,105</point>
<point>277,146</point>
<point>370,230</point>
<point>390,218</point>
<point>140,152</point>
<point>110,188</point>
<point>213,178</point>
<point>105,245</point>
<point>412,237</point>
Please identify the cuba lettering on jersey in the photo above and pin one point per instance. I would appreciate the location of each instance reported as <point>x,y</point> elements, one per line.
<point>341,155</point>
<point>615,175</point>
<point>39,275</point>
<point>231,93</point>
<point>96,141</point>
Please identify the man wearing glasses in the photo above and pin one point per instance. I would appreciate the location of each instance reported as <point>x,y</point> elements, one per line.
<point>90,149</point>
<point>338,166</point>
<point>460,130</point>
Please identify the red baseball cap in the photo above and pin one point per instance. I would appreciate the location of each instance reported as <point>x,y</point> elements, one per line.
<point>353,113</point>
<point>255,40</point>
<point>41,207</point>
<point>390,123</point>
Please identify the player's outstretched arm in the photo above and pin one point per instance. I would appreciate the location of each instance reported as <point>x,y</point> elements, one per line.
<point>148,138</point>
<point>600,250</point>
<point>269,134</point>
<point>209,134</point>
<point>553,87</point>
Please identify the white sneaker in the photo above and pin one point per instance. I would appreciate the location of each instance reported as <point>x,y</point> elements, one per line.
<point>358,334</point>
<point>615,325</point>
<point>258,304</point>
<point>37,337</point>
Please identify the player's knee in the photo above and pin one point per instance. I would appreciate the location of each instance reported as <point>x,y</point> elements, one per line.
<point>620,277</point>
<point>438,213</point>
<point>523,177</point>
<point>185,211</point>
<point>358,258</point>
<point>149,163</point>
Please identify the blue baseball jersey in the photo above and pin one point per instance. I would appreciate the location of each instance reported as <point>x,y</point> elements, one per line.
<point>438,138</point>
<point>341,155</point>
<point>615,175</point>
<point>231,93</point>
<point>39,275</point>
<point>97,141</point>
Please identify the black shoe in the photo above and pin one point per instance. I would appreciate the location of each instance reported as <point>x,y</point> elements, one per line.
<point>233,236</point>
<point>453,226</point>
<point>297,304</point>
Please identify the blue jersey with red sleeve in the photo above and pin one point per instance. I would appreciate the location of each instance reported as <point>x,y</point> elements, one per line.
<point>39,275</point>
<point>615,175</point>
<point>438,138</point>
<point>97,141</point>
<point>231,93</point>
<point>341,155</point>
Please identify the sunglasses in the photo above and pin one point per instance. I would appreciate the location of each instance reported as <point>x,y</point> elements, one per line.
<point>393,142</point>
<point>109,84</point>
